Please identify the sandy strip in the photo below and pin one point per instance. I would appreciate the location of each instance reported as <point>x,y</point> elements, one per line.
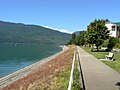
<point>7,80</point>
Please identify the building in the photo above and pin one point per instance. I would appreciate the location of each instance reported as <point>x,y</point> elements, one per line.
<point>114,29</point>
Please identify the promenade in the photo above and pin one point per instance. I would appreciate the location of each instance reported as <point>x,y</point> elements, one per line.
<point>97,75</point>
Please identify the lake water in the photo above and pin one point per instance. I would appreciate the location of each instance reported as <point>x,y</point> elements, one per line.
<point>16,56</point>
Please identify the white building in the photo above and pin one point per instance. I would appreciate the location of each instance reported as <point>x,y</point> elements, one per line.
<point>114,29</point>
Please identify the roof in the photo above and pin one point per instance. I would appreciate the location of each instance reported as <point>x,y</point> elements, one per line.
<point>117,23</point>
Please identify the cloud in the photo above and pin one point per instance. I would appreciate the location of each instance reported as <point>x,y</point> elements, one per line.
<point>61,30</point>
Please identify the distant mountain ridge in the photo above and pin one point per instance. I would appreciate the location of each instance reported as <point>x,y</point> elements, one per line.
<point>77,33</point>
<point>22,33</point>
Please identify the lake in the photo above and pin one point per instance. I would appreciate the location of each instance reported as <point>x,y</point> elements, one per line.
<point>16,56</point>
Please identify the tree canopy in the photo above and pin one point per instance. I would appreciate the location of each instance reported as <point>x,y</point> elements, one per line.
<point>78,39</point>
<point>97,32</point>
<point>72,40</point>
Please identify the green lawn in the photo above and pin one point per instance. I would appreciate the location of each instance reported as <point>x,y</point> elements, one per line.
<point>101,55</point>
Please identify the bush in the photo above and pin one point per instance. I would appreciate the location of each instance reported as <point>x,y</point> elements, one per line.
<point>105,43</point>
<point>112,42</point>
<point>117,45</point>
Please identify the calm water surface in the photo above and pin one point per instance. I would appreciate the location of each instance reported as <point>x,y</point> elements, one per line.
<point>16,56</point>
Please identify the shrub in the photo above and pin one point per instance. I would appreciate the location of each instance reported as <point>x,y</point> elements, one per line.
<point>112,42</point>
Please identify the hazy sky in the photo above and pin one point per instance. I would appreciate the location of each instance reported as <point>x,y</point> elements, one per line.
<point>72,15</point>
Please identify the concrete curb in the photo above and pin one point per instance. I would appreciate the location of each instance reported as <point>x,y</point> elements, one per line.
<point>71,74</point>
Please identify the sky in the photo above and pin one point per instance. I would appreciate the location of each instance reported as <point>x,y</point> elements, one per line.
<point>63,15</point>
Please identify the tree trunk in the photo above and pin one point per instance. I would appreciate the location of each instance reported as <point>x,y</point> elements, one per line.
<point>97,48</point>
<point>92,48</point>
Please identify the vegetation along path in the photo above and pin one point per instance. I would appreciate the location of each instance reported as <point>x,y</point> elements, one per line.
<point>97,75</point>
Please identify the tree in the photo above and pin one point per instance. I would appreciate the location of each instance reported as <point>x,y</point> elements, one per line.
<point>77,40</point>
<point>73,36</point>
<point>82,39</point>
<point>97,32</point>
<point>112,42</point>
<point>72,41</point>
<point>105,43</point>
<point>106,21</point>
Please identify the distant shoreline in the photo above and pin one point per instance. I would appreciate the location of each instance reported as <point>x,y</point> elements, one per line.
<point>26,43</point>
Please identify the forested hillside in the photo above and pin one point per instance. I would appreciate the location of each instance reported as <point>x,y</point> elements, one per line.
<point>21,33</point>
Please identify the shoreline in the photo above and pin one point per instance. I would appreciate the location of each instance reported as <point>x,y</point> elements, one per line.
<point>7,80</point>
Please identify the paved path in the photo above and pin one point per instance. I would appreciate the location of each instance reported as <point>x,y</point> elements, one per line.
<point>97,75</point>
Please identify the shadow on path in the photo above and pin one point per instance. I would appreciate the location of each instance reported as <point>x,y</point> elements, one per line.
<point>118,84</point>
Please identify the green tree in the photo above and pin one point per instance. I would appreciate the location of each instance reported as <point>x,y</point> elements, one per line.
<point>72,41</point>
<point>112,42</point>
<point>73,36</point>
<point>77,40</point>
<point>82,39</point>
<point>105,43</point>
<point>97,32</point>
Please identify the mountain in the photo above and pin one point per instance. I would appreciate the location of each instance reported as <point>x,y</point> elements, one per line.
<point>77,33</point>
<point>22,33</point>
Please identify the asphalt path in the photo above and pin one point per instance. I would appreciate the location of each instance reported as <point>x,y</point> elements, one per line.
<point>97,75</point>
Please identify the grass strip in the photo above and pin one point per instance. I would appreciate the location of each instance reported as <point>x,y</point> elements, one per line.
<point>76,77</point>
<point>61,80</point>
